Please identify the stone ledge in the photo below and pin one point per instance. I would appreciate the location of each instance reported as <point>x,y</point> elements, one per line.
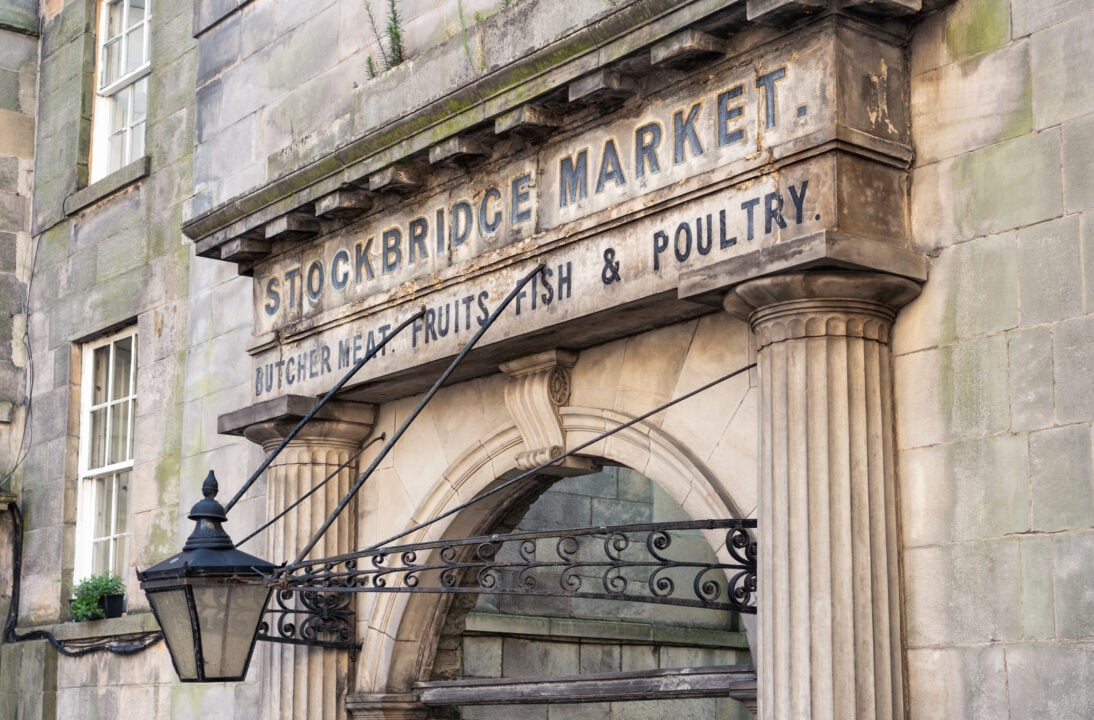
<point>208,13</point>
<point>141,622</point>
<point>18,20</point>
<point>479,623</point>
<point>734,681</point>
<point>109,185</point>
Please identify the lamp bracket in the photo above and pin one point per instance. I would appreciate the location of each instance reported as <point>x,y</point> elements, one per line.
<point>318,619</point>
<point>626,562</point>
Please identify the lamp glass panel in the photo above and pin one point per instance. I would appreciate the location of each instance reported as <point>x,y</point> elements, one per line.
<point>228,614</point>
<point>174,615</point>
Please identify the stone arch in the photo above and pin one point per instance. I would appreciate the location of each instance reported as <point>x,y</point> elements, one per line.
<point>403,631</point>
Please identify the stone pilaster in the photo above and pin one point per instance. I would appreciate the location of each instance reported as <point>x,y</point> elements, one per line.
<point>302,683</point>
<point>829,605</point>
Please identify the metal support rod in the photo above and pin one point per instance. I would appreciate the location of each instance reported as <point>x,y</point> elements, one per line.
<point>298,564</point>
<point>417,410</point>
<point>319,405</point>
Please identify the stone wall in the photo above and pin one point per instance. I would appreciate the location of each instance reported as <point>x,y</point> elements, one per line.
<point>108,255</point>
<point>994,364</point>
<point>18,88</point>
<point>280,84</point>
<point>993,368</point>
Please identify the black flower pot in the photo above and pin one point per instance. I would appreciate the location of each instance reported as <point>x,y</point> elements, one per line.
<point>113,605</point>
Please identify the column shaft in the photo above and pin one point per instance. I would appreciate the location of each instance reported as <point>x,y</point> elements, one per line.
<point>829,606</point>
<point>299,682</point>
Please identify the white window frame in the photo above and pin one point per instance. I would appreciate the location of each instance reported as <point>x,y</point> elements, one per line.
<point>87,491</point>
<point>110,93</point>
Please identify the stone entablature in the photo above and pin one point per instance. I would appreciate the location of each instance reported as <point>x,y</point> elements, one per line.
<point>789,156</point>
<point>635,49</point>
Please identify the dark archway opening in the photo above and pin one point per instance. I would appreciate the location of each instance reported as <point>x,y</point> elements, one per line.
<point>565,658</point>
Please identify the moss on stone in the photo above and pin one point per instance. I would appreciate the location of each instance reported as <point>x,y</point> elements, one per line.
<point>1020,122</point>
<point>977,27</point>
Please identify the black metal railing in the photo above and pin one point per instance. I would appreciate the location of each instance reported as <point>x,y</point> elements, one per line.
<point>638,563</point>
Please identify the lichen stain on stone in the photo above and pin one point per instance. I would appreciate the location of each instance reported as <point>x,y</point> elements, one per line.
<point>986,26</point>
<point>1020,122</point>
<point>877,98</point>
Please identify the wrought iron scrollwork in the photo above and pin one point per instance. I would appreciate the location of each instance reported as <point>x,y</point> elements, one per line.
<point>643,563</point>
<point>316,619</point>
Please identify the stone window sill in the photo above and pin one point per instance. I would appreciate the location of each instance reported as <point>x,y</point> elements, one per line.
<point>109,185</point>
<point>139,622</point>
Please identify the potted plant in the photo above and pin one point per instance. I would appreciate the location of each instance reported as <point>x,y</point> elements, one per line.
<point>97,596</point>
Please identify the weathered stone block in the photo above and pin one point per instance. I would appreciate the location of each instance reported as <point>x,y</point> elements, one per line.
<point>1050,271</point>
<point>584,711</point>
<point>119,253</point>
<point>1029,16</point>
<point>1074,556</point>
<point>505,712</point>
<point>208,12</point>
<point>1065,86</point>
<point>7,251</point>
<point>1031,379</point>
<point>639,657</point>
<point>958,682</point>
<point>1079,164</point>
<point>614,512</point>
<point>1060,476</point>
<point>1008,185</point>
<point>1050,680</point>
<point>962,106</point>
<point>598,658</point>
<point>951,393</point>
<point>481,657</point>
<point>566,511</point>
<point>1087,234</point>
<point>1038,616</point>
<point>218,50</point>
<point>959,32</point>
<point>230,149</point>
<point>1073,355</point>
<point>957,597</point>
<point>526,658</point>
<point>970,490</point>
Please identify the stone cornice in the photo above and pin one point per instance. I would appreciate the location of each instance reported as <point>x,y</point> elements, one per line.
<point>266,423</point>
<point>574,74</point>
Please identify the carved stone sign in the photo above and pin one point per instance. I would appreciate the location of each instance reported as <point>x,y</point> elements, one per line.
<point>739,159</point>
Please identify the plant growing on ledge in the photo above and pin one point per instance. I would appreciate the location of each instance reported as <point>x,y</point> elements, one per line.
<point>97,596</point>
<point>394,53</point>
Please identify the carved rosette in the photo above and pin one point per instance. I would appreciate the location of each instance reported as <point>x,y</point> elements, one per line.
<point>829,586</point>
<point>539,384</point>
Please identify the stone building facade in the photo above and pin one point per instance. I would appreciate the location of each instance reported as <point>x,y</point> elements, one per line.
<point>885,206</point>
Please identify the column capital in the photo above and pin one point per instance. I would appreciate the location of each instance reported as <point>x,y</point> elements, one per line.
<point>816,303</point>
<point>267,423</point>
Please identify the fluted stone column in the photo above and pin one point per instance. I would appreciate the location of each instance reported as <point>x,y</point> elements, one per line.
<point>829,605</point>
<point>304,683</point>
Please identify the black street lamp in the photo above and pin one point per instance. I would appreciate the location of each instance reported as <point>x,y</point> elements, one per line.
<point>209,598</point>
